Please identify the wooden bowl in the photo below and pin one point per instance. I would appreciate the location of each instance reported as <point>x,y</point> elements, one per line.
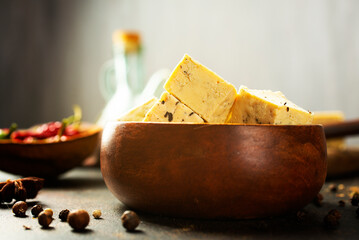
<point>213,170</point>
<point>48,159</point>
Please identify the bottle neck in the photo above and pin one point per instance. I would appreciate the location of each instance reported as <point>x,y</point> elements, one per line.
<point>129,68</point>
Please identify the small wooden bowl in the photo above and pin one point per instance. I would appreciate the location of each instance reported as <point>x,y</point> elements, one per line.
<point>213,170</point>
<point>48,159</point>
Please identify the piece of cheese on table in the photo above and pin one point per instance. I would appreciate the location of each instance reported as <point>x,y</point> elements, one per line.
<point>170,109</point>
<point>329,117</point>
<point>267,107</point>
<point>138,113</point>
<point>202,90</point>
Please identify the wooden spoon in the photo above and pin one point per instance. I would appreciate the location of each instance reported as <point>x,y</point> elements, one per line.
<point>346,128</point>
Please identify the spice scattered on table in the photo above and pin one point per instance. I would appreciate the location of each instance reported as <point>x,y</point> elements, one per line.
<point>331,220</point>
<point>130,220</point>
<point>44,219</point>
<point>64,214</point>
<point>36,210</point>
<point>78,219</point>
<point>20,189</point>
<point>26,227</point>
<point>96,214</point>
<point>341,203</point>
<point>341,187</point>
<point>318,200</point>
<point>19,209</point>
<point>355,199</point>
<point>333,187</point>
<point>49,212</point>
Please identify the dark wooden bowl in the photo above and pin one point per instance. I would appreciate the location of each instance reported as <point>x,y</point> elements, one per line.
<point>212,170</point>
<point>48,159</point>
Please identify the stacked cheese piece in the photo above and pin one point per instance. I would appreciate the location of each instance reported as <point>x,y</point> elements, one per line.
<point>196,94</point>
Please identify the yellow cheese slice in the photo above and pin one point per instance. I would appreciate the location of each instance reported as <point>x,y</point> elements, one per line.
<point>138,113</point>
<point>267,107</point>
<point>201,90</point>
<point>170,109</point>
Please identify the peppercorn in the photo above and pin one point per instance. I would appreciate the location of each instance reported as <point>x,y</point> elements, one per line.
<point>36,210</point>
<point>355,199</point>
<point>64,214</point>
<point>78,219</point>
<point>333,187</point>
<point>130,220</point>
<point>341,203</point>
<point>44,219</point>
<point>331,220</point>
<point>335,213</point>
<point>49,211</point>
<point>19,209</point>
<point>318,200</point>
<point>96,214</point>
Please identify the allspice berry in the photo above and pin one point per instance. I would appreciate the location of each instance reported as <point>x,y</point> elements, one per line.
<point>130,220</point>
<point>44,219</point>
<point>49,211</point>
<point>78,219</point>
<point>64,214</point>
<point>96,214</point>
<point>19,209</point>
<point>36,210</point>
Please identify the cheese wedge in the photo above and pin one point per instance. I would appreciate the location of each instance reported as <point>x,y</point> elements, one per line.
<point>170,109</point>
<point>202,90</point>
<point>267,107</point>
<point>137,114</point>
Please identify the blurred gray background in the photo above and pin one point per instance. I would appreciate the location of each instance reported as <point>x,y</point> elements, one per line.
<point>51,51</point>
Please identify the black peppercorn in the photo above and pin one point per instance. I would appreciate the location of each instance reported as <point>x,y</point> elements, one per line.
<point>78,219</point>
<point>44,219</point>
<point>64,214</point>
<point>355,199</point>
<point>19,209</point>
<point>36,210</point>
<point>130,220</point>
<point>341,203</point>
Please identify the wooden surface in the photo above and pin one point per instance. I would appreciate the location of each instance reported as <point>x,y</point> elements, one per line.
<point>204,170</point>
<point>84,188</point>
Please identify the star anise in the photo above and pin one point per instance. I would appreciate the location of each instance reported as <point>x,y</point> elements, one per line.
<point>20,189</point>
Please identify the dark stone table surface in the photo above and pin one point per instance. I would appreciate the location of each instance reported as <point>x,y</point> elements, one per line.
<point>84,188</point>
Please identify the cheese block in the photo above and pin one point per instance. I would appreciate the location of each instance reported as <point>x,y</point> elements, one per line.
<point>267,107</point>
<point>138,113</point>
<point>329,117</point>
<point>170,109</point>
<point>201,90</point>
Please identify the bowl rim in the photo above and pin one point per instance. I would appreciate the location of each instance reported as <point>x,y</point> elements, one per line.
<point>89,129</point>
